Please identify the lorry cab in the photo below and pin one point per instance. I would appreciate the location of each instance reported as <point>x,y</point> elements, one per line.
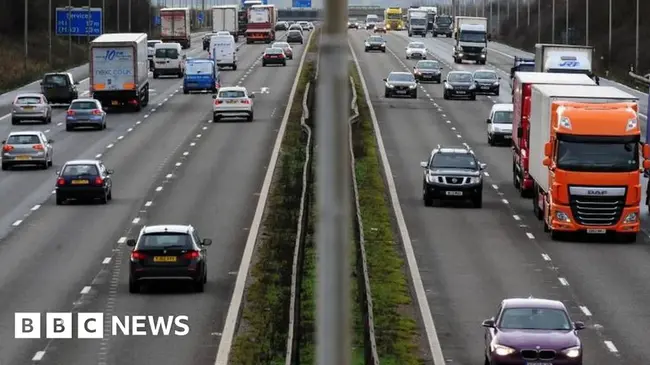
<point>471,43</point>
<point>201,74</point>
<point>223,50</point>
<point>168,60</point>
<point>59,87</point>
<point>443,25</point>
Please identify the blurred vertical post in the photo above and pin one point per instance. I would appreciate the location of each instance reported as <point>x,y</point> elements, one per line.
<point>498,17</point>
<point>26,32</point>
<point>539,21</point>
<point>553,22</point>
<point>130,15</point>
<point>566,23</point>
<point>333,344</point>
<point>150,12</point>
<point>528,13</point>
<point>118,14</point>
<point>587,23</point>
<point>89,25</point>
<point>49,31</point>
<point>69,32</point>
<point>103,16</point>
<point>507,9</point>
<point>517,15</point>
<point>609,40</point>
<point>636,49</point>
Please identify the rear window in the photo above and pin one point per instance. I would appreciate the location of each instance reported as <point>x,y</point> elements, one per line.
<point>232,94</point>
<point>84,105</point>
<point>29,100</point>
<point>274,50</point>
<point>159,241</point>
<point>24,139</point>
<point>170,53</point>
<point>199,68</point>
<point>77,170</point>
<point>56,80</point>
<point>294,32</point>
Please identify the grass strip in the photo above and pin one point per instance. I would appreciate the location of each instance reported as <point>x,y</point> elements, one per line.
<point>395,324</point>
<point>262,333</point>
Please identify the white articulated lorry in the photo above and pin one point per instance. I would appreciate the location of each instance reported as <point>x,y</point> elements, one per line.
<point>416,20</point>
<point>564,58</point>
<point>175,26</point>
<point>226,18</point>
<point>119,70</point>
<point>470,36</point>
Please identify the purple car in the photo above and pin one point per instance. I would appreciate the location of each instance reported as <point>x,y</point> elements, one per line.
<point>530,331</point>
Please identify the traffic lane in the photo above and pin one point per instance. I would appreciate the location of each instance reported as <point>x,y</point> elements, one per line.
<point>488,262</point>
<point>79,73</point>
<point>86,234</point>
<point>595,285</point>
<point>23,188</point>
<point>215,190</point>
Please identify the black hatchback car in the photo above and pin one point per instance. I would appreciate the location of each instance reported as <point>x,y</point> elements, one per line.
<point>168,252</point>
<point>459,84</point>
<point>59,88</point>
<point>84,179</point>
<point>401,84</point>
<point>375,43</point>
<point>294,36</point>
<point>425,71</point>
<point>487,82</point>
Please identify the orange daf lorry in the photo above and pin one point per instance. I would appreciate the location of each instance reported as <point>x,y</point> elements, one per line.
<point>586,159</point>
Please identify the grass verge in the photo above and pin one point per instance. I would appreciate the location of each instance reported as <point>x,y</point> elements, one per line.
<point>395,324</point>
<point>262,333</point>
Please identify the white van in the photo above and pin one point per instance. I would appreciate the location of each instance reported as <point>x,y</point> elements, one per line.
<point>223,50</point>
<point>167,60</point>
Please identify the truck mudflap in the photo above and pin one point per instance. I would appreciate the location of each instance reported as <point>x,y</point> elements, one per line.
<point>135,99</point>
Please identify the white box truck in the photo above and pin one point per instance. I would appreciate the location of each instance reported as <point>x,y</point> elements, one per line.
<point>470,35</point>
<point>564,58</point>
<point>119,70</point>
<point>175,26</point>
<point>226,18</point>
<point>416,22</point>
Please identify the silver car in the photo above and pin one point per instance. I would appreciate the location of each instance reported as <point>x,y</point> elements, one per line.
<point>31,106</point>
<point>27,148</point>
<point>85,113</point>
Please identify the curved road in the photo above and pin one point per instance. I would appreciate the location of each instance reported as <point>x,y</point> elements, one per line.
<point>470,259</point>
<point>172,165</point>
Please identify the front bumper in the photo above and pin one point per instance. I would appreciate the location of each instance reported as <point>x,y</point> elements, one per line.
<point>401,92</point>
<point>274,61</point>
<point>428,77</point>
<point>502,136</point>
<point>460,93</point>
<point>232,113</point>
<point>454,192</point>
<point>416,55</point>
<point>376,48</point>
<point>572,226</point>
<point>501,360</point>
<point>488,89</point>
<point>472,56</point>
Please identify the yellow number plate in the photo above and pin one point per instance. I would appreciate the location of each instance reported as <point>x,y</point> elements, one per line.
<point>231,101</point>
<point>79,182</point>
<point>164,259</point>
<point>115,102</point>
<point>23,158</point>
<point>28,107</point>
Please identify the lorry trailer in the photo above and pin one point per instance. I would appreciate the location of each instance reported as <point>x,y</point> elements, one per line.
<point>585,154</point>
<point>226,18</point>
<point>175,26</point>
<point>261,23</point>
<point>564,58</point>
<point>470,35</point>
<point>417,22</point>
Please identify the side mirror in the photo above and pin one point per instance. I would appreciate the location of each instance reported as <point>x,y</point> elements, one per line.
<point>50,141</point>
<point>488,323</point>
<point>206,242</point>
<point>646,151</point>
<point>547,149</point>
<point>445,80</point>
<point>57,172</point>
<point>4,141</point>
<point>646,164</point>
<point>252,96</point>
<point>214,96</point>
<point>76,82</point>
<point>40,83</point>
<point>110,172</point>
<point>520,132</point>
<point>578,325</point>
<point>424,164</point>
<point>130,242</point>
<point>546,161</point>
<point>482,165</point>
<point>384,79</point>
<point>488,121</point>
<point>417,81</point>
<point>442,68</point>
<point>499,78</point>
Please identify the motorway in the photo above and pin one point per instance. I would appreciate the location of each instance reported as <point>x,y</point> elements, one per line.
<point>471,259</point>
<point>172,165</point>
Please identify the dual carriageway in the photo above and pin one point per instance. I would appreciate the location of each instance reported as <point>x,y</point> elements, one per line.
<point>173,165</point>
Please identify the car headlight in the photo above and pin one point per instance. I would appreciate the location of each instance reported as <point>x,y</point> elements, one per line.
<point>389,86</point>
<point>413,86</point>
<point>502,350</point>
<point>432,178</point>
<point>460,54</point>
<point>472,87</point>
<point>475,180</point>
<point>484,50</point>
<point>631,218</point>
<point>496,83</point>
<point>448,86</point>
<point>572,352</point>
<point>562,217</point>
<point>367,44</point>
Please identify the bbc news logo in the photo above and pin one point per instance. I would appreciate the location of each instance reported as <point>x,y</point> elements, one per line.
<point>91,325</point>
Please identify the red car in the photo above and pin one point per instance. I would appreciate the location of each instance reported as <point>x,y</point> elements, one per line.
<point>288,51</point>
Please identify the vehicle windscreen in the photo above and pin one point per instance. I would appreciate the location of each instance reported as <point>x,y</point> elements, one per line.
<point>28,100</point>
<point>376,40</point>
<point>24,139</point>
<point>585,155</point>
<point>227,94</point>
<point>394,16</point>
<point>459,77</point>
<point>83,105</point>
<point>401,77</point>
<point>544,319</point>
<point>161,241</point>
<point>77,170</point>
<point>443,21</point>
<point>428,65</point>
<point>170,53</point>
<point>471,36</point>
<point>418,21</point>
<point>199,68</point>
<point>502,117</point>
<point>485,75</point>
<point>526,67</point>
<point>55,80</point>
<point>416,45</point>
<point>453,161</point>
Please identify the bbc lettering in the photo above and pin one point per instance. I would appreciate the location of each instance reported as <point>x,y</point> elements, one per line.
<point>91,325</point>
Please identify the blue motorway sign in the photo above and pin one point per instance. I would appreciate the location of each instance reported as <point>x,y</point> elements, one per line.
<point>156,20</point>
<point>301,4</point>
<point>265,2</point>
<point>79,22</point>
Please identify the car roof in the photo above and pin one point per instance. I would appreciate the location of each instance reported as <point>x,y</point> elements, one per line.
<point>83,162</point>
<point>24,133</point>
<point>532,303</point>
<point>84,100</point>
<point>29,95</point>
<point>232,88</point>
<point>485,70</point>
<point>456,150</point>
<point>416,43</point>
<point>459,72</point>
<point>400,73</point>
<point>162,228</point>
<point>505,107</point>
<point>57,73</point>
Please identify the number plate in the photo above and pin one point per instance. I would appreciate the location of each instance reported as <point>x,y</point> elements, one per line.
<point>401,91</point>
<point>539,363</point>
<point>231,102</point>
<point>507,137</point>
<point>164,259</point>
<point>485,87</point>
<point>115,102</point>
<point>460,92</point>
<point>23,158</point>
<point>454,193</point>
<point>79,182</point>
<point>596,231</point>
<point>28,107</point>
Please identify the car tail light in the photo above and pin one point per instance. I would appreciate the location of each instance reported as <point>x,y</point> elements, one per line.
<point>137,256</point>
<point>246,101</point>
<point>191,255</point>
<point>99,181</point>
<point>60,181</point>
<point>281,56</point>
<point>217,102</point>
<point>266,56</point>
<point>38,147</point>
<point>71,112</point>
<point>133,101</point>
<point>96,112</point>
<point>7,148</point>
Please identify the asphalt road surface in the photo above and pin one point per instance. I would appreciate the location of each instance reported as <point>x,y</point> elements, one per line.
<point>471,259</point>
<point>172,165</point>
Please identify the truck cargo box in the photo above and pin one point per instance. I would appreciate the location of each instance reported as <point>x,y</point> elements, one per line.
<point>225,18</point>
<point>559,58</point>
<point>175,26</point>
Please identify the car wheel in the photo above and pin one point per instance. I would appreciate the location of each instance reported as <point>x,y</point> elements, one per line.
<point>68,128</point>
<point>407,57</point>
<point>445,96</point>
<point>387,94</point>
<point>215,118</point>
<point>490,140</point>
<point>110,195</point>
<point>15,121</point>
<point>284,64</point>
<point>426,198</point>
<point>414,95</point>
<point>59,199</point>
<point>45,165</point>
<point>185,91</point>
<point>263,64</point>
<point>478,201</point>
<point>134,286</point>
<point>366,49</point>
<point>155,75</point>
<point>103,199</point>
<point>497,93</point>
<point>234,67</point>
<point>51,161</point>
<point>473,97</point>
<point>199,286</point>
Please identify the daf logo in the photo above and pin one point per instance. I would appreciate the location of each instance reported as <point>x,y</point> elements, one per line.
<point>537,347</point>
<point>596,192</point>
<point>454,180</point>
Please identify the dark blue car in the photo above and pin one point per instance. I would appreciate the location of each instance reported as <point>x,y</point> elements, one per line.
<point>200,75</point>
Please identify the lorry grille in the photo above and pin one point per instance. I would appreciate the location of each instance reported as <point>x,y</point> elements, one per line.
<point>596,211</point>
<point>472,49</point>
